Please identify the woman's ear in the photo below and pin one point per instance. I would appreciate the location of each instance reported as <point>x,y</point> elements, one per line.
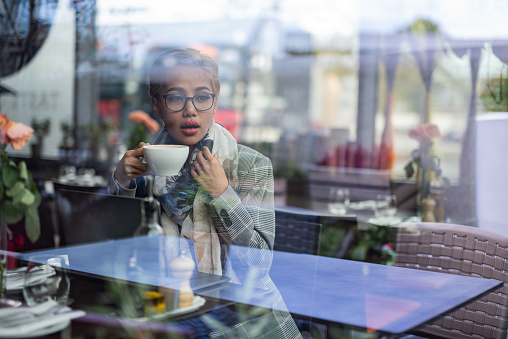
<point>155,104</point>
<point>214,106</point>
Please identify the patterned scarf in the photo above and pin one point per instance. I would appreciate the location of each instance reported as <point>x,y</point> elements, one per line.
<point>184,202</point>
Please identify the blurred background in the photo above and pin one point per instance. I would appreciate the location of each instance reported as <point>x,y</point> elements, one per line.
<point>329,90</point>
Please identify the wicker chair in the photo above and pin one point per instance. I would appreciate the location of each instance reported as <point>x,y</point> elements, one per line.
<point>297,233</point>
<point>461,250</point>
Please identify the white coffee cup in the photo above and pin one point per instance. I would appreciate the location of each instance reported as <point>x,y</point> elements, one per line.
<point>166,160</point>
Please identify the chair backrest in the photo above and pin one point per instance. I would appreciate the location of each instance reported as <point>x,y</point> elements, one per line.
<point>91,189</point>
<point>461,250</point>
<point>297,232</point>
<point>86,217</point>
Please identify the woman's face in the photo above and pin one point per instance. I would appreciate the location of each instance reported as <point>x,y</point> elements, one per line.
<point>188,126</point>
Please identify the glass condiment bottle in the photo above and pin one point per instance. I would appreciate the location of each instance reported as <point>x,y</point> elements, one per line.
<point>428,205</point>
<point>150,210</point>
<point>148,227</point>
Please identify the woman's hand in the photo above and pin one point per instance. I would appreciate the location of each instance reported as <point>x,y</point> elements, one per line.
<point>131,167</point>
<point>208,172</point>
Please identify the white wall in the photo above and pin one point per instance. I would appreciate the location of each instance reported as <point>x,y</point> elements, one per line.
<point>491,174</point>
<point>45,86</point>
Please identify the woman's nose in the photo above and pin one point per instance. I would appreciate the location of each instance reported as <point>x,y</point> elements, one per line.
<point>189,109</point>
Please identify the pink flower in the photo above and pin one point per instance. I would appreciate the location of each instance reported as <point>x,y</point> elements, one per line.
<point>430,131</point>
<point>18,135</point>
<point>427,131</point>
<point>415,133</point>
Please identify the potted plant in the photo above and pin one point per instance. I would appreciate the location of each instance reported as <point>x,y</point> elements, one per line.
<point>67,140</point>
<point>144,124</point>
<point>494,96</point>
<point>19,197</point>
<point>41,130</point>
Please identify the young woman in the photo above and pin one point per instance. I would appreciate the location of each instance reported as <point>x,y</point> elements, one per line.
<point>224,194</point>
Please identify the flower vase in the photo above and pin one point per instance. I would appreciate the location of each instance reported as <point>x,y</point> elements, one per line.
<point>420,192</point>
<point>37,150</point>
<point>424,175</point>
<point>386,157</point>
<point>4,300</point>
<point>3,259</point>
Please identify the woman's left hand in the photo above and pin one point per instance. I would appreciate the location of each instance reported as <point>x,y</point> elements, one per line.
<point>208,172</point>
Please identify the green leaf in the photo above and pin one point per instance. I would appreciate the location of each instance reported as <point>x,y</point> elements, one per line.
<point>32,224</point>
<point>37,198</point>
<point>410,171</point>
<point>15,189</point>
<point>23,199</point>
<point>2,191</point>
<point>35,192</point>
<point>12,213</point>
<point>10,175</point>
<point>4,160</point>
<point>23,173</point>
<point>359,252</point>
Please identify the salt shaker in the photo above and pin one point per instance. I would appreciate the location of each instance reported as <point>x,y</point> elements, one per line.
<point>182,267</point>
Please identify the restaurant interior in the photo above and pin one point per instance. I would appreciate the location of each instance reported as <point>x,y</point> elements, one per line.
<point>384,122</point>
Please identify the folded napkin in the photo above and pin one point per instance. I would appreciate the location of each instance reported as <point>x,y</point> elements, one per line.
<point>15,279</point>
<point>19,321</point>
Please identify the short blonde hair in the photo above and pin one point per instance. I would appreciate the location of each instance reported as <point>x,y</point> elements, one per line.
<point>176,57</point>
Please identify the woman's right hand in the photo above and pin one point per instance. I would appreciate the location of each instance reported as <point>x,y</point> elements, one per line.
<point>131,167</point>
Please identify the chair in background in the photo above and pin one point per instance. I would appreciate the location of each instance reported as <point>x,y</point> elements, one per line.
<point>81,188</point>
<point>86,217</point>
<point>299,230</point>
<point>461,250</point>
<point>297,233</point>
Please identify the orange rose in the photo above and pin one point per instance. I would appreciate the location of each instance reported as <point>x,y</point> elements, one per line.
<point>152,125</point>
<point>141,117</point>
<point>5,124</point>
<point>138,117</point>
<point>18,135</point>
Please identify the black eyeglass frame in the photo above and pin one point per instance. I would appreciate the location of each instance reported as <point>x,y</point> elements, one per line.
<point>186,100</point>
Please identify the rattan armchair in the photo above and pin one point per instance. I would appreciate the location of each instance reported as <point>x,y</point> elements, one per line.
<point>462,250</point>
<point>296,232</point>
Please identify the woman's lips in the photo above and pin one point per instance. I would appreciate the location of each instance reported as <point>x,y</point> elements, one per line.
<point>189,128</point>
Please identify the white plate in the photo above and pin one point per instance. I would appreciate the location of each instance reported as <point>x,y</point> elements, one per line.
<point>43,331</point>
<point>384,221</point>
<point>198,302</point>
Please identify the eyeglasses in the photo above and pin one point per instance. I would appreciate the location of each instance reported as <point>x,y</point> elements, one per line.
<point>177,102</point>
